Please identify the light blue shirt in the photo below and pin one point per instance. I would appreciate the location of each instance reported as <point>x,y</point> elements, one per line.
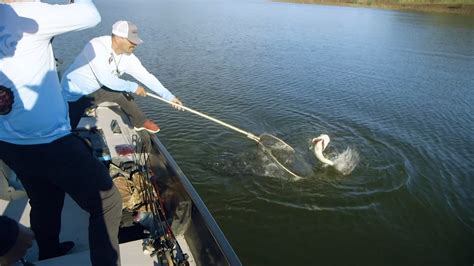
<point>97,65</point>
<point>27,67</point>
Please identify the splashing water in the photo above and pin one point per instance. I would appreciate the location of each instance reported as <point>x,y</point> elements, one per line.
<point>276,158</point>
<point>346,161</point>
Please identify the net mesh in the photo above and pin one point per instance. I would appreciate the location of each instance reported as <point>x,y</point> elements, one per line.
<point>280,152</point>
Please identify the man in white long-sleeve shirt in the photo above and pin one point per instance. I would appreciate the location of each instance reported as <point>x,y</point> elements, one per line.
<point>35,137</point>
<point>94,77</point>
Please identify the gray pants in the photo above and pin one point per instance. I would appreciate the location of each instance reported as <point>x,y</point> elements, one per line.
<point>66,165</point>
<point>128,105</point>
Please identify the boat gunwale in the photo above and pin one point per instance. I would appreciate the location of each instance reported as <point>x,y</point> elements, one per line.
<point>209,220</point>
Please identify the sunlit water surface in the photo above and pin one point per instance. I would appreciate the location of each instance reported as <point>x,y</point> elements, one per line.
<point>395,87</point>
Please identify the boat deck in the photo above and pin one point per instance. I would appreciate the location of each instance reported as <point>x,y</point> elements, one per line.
<point>74,228</point>
<point>74,219</point>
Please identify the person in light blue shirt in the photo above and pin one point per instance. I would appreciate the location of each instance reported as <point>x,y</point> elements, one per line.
<point>95,77</point>
<point>35,136</point>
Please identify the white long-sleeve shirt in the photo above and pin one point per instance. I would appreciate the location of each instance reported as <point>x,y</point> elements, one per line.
<point>97,65</point>
<point>27,67</point>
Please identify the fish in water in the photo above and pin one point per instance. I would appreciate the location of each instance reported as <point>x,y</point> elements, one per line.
<point>320,143</point>
<point>343,162</point>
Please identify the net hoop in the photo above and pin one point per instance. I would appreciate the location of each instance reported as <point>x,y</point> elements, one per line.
<point>268,151</point>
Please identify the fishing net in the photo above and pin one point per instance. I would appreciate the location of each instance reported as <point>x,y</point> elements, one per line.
<point>280,152</point>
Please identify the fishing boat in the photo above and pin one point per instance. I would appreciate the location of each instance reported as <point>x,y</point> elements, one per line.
<point>182,231</point>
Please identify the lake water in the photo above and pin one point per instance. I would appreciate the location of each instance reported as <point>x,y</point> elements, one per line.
<point>397,87</point>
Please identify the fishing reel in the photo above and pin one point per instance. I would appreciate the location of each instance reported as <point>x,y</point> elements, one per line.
<point>166,249</point>
<point>149,247</point>
<point>159,248</point>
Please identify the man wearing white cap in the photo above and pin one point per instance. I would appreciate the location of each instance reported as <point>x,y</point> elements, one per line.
<point>94,77</point>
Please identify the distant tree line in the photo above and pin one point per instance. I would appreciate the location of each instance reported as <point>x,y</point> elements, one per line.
<point>447,6</point>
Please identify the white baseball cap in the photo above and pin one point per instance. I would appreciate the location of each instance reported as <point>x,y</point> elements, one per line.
<point>126,29</point>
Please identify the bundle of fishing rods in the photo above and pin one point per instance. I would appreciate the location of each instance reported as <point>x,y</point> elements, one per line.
<point>161,241</point>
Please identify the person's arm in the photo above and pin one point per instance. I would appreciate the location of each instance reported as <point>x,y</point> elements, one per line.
<point>58,19</point>
<point>98,58</point>
<point>8,234</point>
<point>139,72</point>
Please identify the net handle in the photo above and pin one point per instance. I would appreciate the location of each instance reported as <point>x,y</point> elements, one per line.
<point>247,134</point>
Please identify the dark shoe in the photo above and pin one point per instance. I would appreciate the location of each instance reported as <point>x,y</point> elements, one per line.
<point>149,126</point>
<point>64,248</point>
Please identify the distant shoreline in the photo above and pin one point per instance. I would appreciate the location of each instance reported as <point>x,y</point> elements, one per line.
<point>451,8</point>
